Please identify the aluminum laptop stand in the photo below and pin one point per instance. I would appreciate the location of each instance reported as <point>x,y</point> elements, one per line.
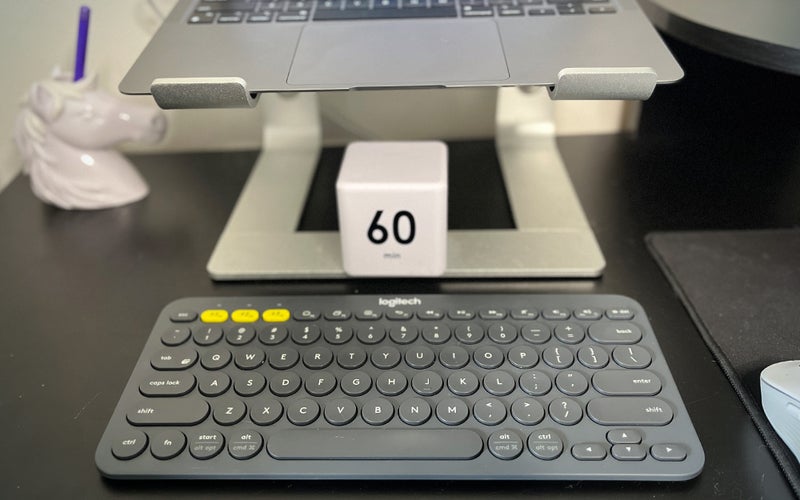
<point>552,237</point>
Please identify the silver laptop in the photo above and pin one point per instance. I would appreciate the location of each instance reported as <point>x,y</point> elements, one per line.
<point>211,53</point>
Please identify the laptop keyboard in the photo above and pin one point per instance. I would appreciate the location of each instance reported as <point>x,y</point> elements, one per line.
<point>414,387</point>
<point>265,11</point>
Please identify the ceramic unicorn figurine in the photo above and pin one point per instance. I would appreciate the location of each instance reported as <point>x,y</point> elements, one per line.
<point>64,132</point>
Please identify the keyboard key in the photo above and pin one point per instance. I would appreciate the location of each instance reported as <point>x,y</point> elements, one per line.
<point>452,411</point>
<point>545,444</point>
<point>565,411</point>
<point>168,411</point>
<point>168,444</point>
<point>505,444</point>
<point>204,445</point>
<point>414,411</point>
<point>668,452</point>
<point>302,412</point>
<point>589,451</point>
<point>527,411</point>
<point>340,412</point>
<point>176,336</point>
<point>167,385</point>
<point>489,411</point>
<point>628,452</point>
<point>174,359</point>
<point>615,333</point>
<point>244,445</point>
<point>229,412</point>
<point>626,383</point>
<point>629,411</point>
<point>265,411</point>
<point>129,445</point>
<point>380,444</point>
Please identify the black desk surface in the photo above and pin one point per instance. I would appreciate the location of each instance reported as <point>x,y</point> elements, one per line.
<point>80,291</point>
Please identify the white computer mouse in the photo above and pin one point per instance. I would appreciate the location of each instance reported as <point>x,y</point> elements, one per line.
<point>780,397</point>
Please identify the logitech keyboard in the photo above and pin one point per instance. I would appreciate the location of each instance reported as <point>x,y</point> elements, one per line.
<point>565,387</point>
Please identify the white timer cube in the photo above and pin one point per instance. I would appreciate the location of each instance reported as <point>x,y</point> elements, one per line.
<point>392,205</point>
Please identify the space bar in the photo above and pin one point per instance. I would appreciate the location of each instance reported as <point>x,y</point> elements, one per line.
<point>377,444</point>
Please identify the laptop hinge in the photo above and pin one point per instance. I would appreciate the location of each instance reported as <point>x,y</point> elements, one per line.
<point>212,92</point>
<point>604,83</point>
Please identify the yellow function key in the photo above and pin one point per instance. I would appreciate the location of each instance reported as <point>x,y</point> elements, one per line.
<point>276,315</point>
<point>214,316</point>
<point>244,316</point>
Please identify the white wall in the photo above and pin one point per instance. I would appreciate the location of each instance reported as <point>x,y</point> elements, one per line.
<point>36,35</point>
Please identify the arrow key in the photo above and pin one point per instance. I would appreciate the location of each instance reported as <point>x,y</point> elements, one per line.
<point>589,451</point>
<point>628,452</point>
<point>668,452</point>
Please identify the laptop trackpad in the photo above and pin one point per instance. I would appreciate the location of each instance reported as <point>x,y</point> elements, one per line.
<point>398,53</point>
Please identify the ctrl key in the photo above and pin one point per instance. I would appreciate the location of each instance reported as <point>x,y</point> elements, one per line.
<point>206,444</point>
<point>545,444</point>
<point>129,445</point>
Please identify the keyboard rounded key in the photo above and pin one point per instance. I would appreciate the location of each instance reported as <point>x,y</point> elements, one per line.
<point>498,383</point>
<point>229,411</point>
<point>452,411</point>
<point>377,411</point>
<point>317,358</point>
<point>213,384</point>
<point>535,333</point>
<point>265,411</point>
<point>436,333</point>
<point>168,411</point>
<point>371,334</point>
<point>527,411</point>
<point>558,357</point>
<point>306,334</point>
<point>168,444</point>
<point>340,411</point>
<point>355,383</point>
<point>337,334</point>
<point>565,411</point>
<point>245,444</point>
<point>320,383</point>
<point>633,356</point>
<point>273,335</point>
<point>427,383</point>
<point>414,411</point>
<point>505,444</point>
<point>569,333</point>
<point>207,335</point>
<point>403,334</point>
<point>249,384</point>
<point>129,444</point>
<point>589,451</point>
<point>302,412</point>
<point>179,358</point>
<point>250,359</point>
<point>629,410</point>
<point>626,383</point>
<point>523,356</point>
<point>668,452</point>
<point>592,356</point>
<point>375,444</point>
<point>454,357</point>
<point>535,383</point>
<point>572,383</point>
<point>469,334</point>
<point>204,445</point>
<point>545,444</point>
<point>351,358</point>
<point>463,383</point>
<point>386,357</point>
<point>240,335</point>
<point>285,384</point>
<point>391,383</point>
<point>488,357</point>
<point>615,332</point>
<point>167,384</point>
<point>215,359</point>
<point>502,333</point>
<point>489,411</point>
<point>176,335</point>
<point>420,357</point>
<point>283,358</point>
<point>628,452</point>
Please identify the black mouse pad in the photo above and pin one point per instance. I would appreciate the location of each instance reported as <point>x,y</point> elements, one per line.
<point>742,289</point>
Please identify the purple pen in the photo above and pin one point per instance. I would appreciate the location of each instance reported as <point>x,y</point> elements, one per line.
<point>83,35</point>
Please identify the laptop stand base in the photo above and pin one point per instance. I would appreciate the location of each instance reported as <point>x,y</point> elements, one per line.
<point>552,238</point>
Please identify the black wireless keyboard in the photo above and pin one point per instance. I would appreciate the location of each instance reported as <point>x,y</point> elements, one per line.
<point>570,387</point>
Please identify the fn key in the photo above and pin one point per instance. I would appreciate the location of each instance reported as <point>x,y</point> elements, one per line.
<point>366,444</point>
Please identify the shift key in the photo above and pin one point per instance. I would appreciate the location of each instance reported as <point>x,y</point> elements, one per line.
<point>629,411</point>
<point>172,411</point>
